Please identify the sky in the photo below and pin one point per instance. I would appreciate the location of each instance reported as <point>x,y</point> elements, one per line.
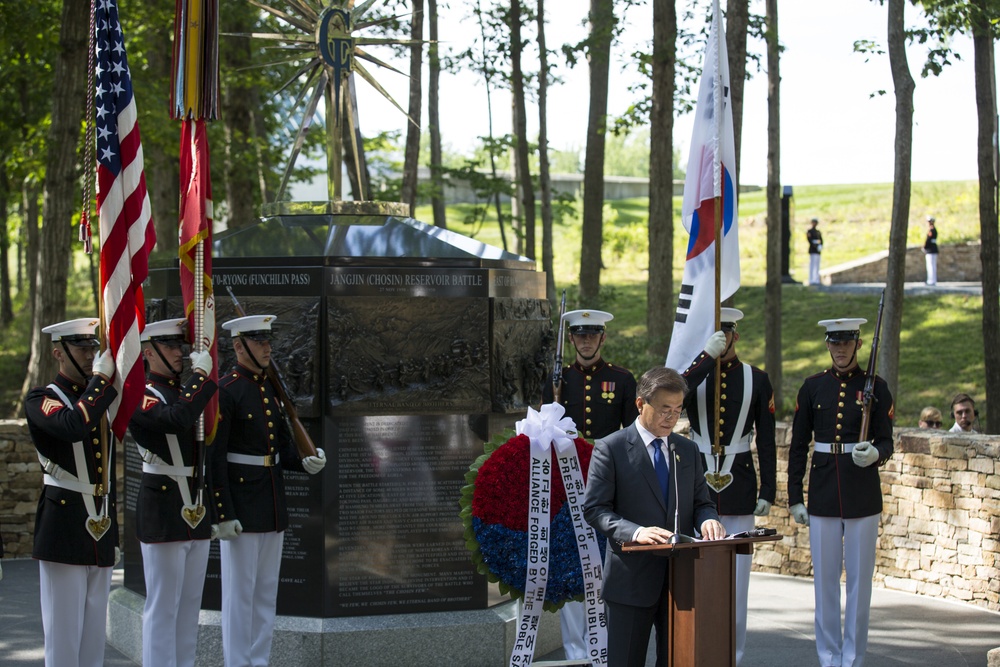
<point>833,130</point>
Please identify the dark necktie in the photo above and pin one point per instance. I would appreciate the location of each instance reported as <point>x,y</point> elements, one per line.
<point>660,465</point>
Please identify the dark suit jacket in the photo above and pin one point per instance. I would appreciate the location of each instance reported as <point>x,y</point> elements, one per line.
<point>624,495</point>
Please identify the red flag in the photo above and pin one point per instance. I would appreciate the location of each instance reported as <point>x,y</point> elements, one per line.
<point>127,233</point>
<point>195,249</point>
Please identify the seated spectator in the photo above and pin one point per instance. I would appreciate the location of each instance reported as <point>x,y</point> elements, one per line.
<point>930,417</point>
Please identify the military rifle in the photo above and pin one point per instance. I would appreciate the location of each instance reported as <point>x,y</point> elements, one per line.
<point>303,443</point>
<point>557,371</point>
<point>868,394</point>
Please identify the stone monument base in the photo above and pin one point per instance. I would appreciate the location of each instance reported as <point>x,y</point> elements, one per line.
<point>455,638</point>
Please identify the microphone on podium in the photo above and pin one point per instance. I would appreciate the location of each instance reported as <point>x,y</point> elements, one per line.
<point>677,538</point>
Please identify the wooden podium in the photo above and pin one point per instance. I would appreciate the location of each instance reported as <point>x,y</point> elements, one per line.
<point>702,590</point>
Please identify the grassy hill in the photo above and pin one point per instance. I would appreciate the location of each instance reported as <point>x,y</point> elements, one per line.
<point>854,220</point>
<point>942,337</point>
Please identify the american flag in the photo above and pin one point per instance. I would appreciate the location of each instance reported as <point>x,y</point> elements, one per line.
<point>195,247</point>
<point>127,233</point>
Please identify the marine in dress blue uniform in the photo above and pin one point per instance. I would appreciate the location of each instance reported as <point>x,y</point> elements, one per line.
<point>845,495</point>
<point>171,525</point>
<point>931,252</point>
<point>64,419</point>
<point>252,446</point>
<point>600,399</point>
<point>746,404</point>
<point>815,239</point>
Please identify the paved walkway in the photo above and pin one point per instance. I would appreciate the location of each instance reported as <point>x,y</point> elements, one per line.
<point>910,289</point>
<point>906,629</point>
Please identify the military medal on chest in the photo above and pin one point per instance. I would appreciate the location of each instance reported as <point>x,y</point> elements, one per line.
<point>608,391</point>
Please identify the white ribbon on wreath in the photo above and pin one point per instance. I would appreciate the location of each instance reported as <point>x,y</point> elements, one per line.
<point>548,428</point>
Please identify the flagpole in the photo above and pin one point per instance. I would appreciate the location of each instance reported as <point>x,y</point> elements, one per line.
<point>719,189</point>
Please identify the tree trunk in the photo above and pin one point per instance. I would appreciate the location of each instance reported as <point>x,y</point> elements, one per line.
<point>986,105</point>
<point>660,286</point>
<point>892,318</point>
<point>163,169</point>
<point>526,189</point>
<point>602,25</point>
<point>32,240</point>
<point>411,159</point>
<point>6,303</point>
<point>544,181</point>
<point>737,22</point>
<point>62,193</point>
<point>434,116</point>
<point>239,99</point>
<point>772,284</point>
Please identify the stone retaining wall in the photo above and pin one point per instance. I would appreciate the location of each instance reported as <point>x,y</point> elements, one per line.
<point>956,263</point>
<point>20,487</point>
<point>939,533</point>
<point>940,521</point>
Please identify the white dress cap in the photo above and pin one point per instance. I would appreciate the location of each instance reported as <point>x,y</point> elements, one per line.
<point>172,329</point>
<point>844,328</point>
<point>254,327</point>
<point>732,315</point>
<point>81,331</point>
<point>587,321</point>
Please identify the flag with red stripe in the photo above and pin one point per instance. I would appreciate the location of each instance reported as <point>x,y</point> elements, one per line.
<point>195,248</point>
<point>127,233</point>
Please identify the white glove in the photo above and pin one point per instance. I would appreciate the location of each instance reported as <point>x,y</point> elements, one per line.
<point>215,532</point>
<point>799,513</point>
<point>313,464</point>
<point>230,530</point>
<point>118,556</point>
<point>202,360</point>
<point>716,344</point>
<point>864,454</point>
<point>104,364</point>
<point>763,508</point>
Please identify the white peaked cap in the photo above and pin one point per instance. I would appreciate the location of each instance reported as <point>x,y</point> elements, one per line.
<point>250,326</point>
<point>840,328</point>
<point>584,320</point>
<point>81,329</point>
<point>172,328</point>
<point>730,315</point>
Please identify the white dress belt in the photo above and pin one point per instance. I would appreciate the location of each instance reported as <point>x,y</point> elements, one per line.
<point>835,447</point>
<point>247,460</point>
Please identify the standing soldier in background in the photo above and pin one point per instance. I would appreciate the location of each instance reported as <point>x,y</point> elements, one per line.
<point>174,552</point>
<point>931,252</point>
<point>815,239</point>
<point>252,446</point>
<point>845,493</point>
<point>74,564</point>
<point>746,405</point>
<point>600,398</point>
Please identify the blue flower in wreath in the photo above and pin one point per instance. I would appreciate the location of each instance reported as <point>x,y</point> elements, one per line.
<point>495,513</point>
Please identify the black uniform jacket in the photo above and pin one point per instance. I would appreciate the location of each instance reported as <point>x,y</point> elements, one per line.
<point>251,423</point>
<point>60,532</point>
<point>158,511</point>
<point>600,399</point>
<point>829,407</point>
<point>815,239</point>
<point>740,497</point>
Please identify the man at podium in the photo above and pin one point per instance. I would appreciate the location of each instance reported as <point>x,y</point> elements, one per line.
<point>645,484</point>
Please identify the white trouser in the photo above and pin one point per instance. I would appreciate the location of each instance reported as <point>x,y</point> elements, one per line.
<point>573,621</point>
<point>250,567</point>
<point>930,259</point>
<point>814,268</point>
<point>850,543</point>
<point>74,613</point>
<point>737,524</point>
<point>175,578</point>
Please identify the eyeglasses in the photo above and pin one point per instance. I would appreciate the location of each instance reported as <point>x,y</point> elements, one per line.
<point>933,424</point>
<point>669,414</point>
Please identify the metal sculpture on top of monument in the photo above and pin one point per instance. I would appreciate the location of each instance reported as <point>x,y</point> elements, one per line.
<point>332,52</point>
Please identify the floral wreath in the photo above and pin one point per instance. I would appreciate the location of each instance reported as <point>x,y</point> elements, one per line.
<point>495,515</point>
